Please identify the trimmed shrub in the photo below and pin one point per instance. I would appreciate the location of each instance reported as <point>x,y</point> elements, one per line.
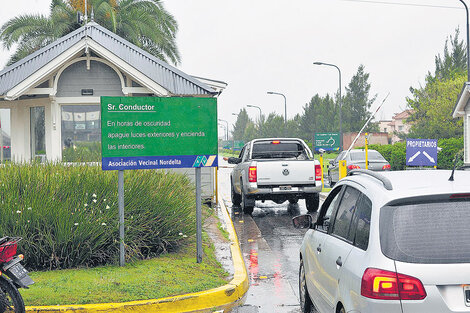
<point>68,215</point>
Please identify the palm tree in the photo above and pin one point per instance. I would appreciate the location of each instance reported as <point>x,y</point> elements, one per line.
<point>144,23</point>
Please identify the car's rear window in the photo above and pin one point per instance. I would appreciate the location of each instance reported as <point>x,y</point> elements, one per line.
<point>371,155</point>
<point>436,232</point>
<point>267,150</point>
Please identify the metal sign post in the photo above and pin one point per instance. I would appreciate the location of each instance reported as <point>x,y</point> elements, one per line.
<point>122,250</point>
<point>198,216</point>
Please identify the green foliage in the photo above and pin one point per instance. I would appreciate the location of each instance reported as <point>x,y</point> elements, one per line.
<point>83,152</point>
<point>357,102</point>
<point>450,147</point>
<point>433,106</point>
<point>168,275</point>
<point>144,23</point>
<point>320,115</point>
<point>68,215</point>
<point>238,132</point>
<point>453,62</point>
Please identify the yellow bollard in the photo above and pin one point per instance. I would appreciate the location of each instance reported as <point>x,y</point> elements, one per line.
<point>342,169</point>
<point>367,155</point>
<point>321,166</point>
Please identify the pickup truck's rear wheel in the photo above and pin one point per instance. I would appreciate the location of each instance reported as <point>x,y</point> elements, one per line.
<point>236,198</point>
<point>312,202</point>
<point>248,204</point>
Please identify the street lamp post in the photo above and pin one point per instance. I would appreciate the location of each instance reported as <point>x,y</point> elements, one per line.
<point>285,108</point>
<point>226,129</point>
<point>257,107</point>
<point>468,39</point>
<point>339,103</point>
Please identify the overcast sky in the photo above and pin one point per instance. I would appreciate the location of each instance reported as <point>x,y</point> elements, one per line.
<point>268,45</point>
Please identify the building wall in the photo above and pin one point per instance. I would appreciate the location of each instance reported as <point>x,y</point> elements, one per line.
<point>374,139</point>
<point>100,77</point>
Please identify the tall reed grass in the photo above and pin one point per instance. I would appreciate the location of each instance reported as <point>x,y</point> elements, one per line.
<point>68,215</point>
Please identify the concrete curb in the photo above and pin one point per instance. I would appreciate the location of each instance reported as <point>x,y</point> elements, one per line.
<point>221,298</point>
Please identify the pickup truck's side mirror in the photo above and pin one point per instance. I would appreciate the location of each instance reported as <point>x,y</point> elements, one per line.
<point>303,221</point>
<point>233,160</point>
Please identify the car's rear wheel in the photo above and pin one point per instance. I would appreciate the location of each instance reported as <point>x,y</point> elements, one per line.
<point>306,305</point>
<point>236,198</point>
<point>330,181</point>
<point>312,202</point>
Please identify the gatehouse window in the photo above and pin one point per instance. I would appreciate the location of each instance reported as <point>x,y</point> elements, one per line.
<point>81,133</point>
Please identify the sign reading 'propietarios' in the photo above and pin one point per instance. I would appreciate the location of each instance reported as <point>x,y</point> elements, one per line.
<point>151,132</point>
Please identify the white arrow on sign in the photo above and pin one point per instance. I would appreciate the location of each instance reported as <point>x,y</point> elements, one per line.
<point>331,139</point>
<point>411,159</point>
<point>429,157</point>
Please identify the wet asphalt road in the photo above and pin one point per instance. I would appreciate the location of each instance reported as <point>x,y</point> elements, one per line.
<point>270,246</point>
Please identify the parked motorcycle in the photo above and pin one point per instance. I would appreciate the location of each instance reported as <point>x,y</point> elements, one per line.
<point>10,297</point>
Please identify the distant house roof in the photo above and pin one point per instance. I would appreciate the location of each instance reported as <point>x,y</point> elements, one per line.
<point>402,115</point>
<point>167,76</point>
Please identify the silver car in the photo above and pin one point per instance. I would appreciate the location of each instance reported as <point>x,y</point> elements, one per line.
<point>356,159</point>
<point>389,242</point>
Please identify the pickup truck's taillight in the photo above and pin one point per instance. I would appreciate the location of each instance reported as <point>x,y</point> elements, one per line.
<point>252,175</point>
<point>317,172</point>
<point>386,285</point>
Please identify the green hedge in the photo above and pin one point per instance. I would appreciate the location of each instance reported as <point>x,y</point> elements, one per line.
<point>396,153</point>
<point>68,215</point>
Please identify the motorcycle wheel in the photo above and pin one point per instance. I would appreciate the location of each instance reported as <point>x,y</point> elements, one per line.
<point>10,297</point>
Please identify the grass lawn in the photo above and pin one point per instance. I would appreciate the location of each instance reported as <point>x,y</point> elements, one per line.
<point>168,275</point>
<point>228,153</point>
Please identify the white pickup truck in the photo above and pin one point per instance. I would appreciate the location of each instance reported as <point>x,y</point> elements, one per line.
<point>277,169</point>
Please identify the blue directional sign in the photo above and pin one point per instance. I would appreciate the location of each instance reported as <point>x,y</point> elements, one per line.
<point>421,152</point>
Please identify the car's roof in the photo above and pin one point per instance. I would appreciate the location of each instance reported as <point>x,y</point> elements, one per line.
<point>412,183</point>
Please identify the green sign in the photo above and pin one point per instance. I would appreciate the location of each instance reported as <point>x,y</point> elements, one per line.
<point>327,141</point>
<point>152,132</point>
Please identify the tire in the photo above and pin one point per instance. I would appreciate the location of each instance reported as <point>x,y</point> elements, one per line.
<point>10,297</point>
<point>306,305</point>
<point>330,181</point>
<point>342,310</point>
<point>312,202</point>
<point>236,198</point>
<point>247,203</point>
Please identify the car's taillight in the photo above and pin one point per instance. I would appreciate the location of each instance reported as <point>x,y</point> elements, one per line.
<point>353,167</point>
<point>386,167</point>
<point>252,175</point>
<point>386,285</point>
<point>7,251</point>
<point>317,172</point>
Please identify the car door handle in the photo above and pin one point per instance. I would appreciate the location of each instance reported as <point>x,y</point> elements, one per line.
<point>339,262</point>
<point>319,248</point>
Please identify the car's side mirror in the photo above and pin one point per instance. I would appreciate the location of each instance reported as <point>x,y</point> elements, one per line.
<point>303,221</point>
<point>233,160</point>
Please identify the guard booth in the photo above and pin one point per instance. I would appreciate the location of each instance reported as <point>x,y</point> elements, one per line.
<point>54,94</point>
